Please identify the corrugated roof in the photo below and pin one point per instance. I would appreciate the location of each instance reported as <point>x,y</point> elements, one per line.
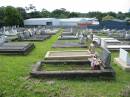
<point>65,20</point>
<point>116,20</point>
<point>41,19</point>
<point>77,19</point>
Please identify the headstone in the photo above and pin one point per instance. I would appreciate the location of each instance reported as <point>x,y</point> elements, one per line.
<point>2,39</point>
<point>4,28</point>
<point>91,36</point>
<point>103,43</point>
<point>127,36</point>
<point>109,33</point>
<point>26,35</point>
<point>71,30</point>
<point>99,41</point>
<point>21,36</point>
<point>81,40</point>
<point>106,57</point>
<point>124,56</point>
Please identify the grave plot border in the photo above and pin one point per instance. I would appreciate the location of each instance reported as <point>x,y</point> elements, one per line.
<point>36,39</point>
<point>24,51</point>
<point>69,38</point>
<point>37,73</point>
<point>62,45</point>
<point>117,49</point>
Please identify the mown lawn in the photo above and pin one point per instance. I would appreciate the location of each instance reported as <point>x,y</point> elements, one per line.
<point>65,67</point>
<point>15,80</point>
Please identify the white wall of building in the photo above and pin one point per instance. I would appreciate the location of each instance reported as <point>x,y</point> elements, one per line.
<point>59,22</point>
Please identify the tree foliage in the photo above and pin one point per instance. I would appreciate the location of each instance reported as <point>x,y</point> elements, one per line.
<point>45,13</point>
<point>108,17</point>
<point>14,16</point>
<point>60,13</point>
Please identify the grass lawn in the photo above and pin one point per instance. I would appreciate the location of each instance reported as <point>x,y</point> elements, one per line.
<point>15,81</point>
<point>72,40</point>
<point>65,67</point>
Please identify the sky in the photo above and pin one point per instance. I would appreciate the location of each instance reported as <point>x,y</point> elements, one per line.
<point>82,6</point>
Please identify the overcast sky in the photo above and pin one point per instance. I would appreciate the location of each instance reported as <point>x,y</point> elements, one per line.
<point>73,5</point>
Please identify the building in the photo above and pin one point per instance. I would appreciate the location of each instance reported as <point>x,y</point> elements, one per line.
<point>68,22</point>
<point>41,22</point>
<point>114,24</point>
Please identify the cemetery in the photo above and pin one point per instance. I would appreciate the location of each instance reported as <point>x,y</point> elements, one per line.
<point>63,48</point>
<point>69,63</point>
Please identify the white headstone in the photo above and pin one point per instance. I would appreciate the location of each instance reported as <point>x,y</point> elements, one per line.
<point>124,56</point>
<point>98,41</point>
<point>103,43</point>
<point>2,39</point>
<point>71,30</point>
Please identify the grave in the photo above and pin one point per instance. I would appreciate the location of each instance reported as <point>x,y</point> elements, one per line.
<point>15,47</point>
<point>48,32</point>
<point>32,36</point>
<point>68,55</point>
<point>97,40</point>
<point>118,47</point>
<point>66,64</point>
<point>114,44</point>
<point>68,43</point>
<point>123,60</point>
<point>110,41</point>
<point>67,33</point>
<point>114,47</point>
<point>66,37</point>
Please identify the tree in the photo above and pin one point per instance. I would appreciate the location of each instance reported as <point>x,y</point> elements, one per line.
<point>60,13</point>
<point>22,12</point>
<point>127,14</point>
<point>97,14</point>
<point>108,17</point>
<point>35,14</point>
<point>120,15</point>
<point>2,15</point>
<point>111,14</point>
<point>73,14</point>
<point>45,13</point>
<point>12,16</point>
<point>30,8</point>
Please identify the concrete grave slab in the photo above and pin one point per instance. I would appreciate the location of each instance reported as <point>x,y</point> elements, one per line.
<point>68,43</point>
<point>68,55</point>
<point>16,48</point>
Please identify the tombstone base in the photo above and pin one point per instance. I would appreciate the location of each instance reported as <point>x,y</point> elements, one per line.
<point>122,64</point>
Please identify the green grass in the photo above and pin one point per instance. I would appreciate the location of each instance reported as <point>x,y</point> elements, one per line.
<point>65,67</point>
<point>15,81</point>
<point>75,40</point>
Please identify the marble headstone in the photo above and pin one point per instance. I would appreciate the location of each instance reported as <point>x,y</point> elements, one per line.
<point>2,39</point>
<point>124,56</point>
<point>103,43</point>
